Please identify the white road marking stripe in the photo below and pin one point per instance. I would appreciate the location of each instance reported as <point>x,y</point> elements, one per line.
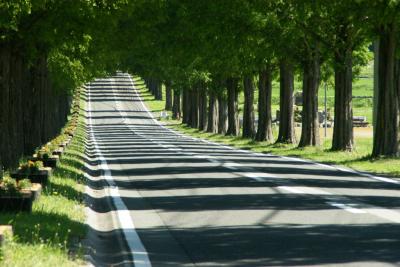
<point>383,179</point>
<point>204,156</point>
<point>291,189</point>
<point>138,251</point>
<point>231,164</point>
<point>346,207</point>
<point>258,176</point>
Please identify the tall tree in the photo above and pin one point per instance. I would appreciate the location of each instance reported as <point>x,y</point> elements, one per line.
<point>248,110</point>
<point>233,114</point>
<point>385,21</point>
<point>286,115</point>
<point>264,130</point>
<point>168,96</point>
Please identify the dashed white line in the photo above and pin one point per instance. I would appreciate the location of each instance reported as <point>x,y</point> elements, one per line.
<point>346,207</point>
<point>291,189</point>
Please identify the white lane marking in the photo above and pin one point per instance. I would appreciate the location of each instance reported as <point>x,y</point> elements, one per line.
<point>291,189</point>
<point>382,179</point>
<point>137,249</point>
<point>314,191</point>
<point>258,176</point>
<point>323,165</point>
<point>346,207</point>
<point>204,156</point>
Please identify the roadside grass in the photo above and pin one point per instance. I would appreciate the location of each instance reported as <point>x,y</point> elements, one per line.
<point>359,159</point>
<point>51,235</point>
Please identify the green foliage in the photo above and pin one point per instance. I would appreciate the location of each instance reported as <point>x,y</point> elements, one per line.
<point>31,167</point>
<point>11,12</point>
<point>24,184</point>
<point>9,186</point>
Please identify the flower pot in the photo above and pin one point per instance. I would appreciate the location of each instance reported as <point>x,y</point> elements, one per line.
<point>64,144</point>
<point>49,162</point>
<point>58,151</point>
<point>41,177</point>
<point>36,191</point>
<point>16,203</point>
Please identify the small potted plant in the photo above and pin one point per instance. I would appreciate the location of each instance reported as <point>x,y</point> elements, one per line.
<point>70,131</point>
<point>45,155</point>
<point>13,197</point>
<point>34,171</point>
<point>27,185</point>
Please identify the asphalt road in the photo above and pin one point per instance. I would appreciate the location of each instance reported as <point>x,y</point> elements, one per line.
<point>157,198</point>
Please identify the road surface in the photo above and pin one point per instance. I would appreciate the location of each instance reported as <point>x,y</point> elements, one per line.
<point>157,198</point>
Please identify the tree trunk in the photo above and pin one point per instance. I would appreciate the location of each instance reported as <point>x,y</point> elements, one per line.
<point>286,118</point>
<point>186,106</point>
<point>386,142</point>
<point>233,114</point>
<point>343,121</point>
<point>168,96</point>
<point>397,84</point>
<point>151,86</point>
<point>310,123</point>
<point>264,131</point>
<point>222,115</point>
<point>158,90</point>
<point>248,111</point>
<point>202,109</point>
<point>34,107</point>
<point>176,107</point>
<point>5,59</point>
<point>194,108</point>
<point>212,125</point>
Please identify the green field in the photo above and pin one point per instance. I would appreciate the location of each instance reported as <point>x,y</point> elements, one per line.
<point>362,86</point>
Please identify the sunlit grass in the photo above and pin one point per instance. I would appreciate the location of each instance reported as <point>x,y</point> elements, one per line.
<point>51,235</point>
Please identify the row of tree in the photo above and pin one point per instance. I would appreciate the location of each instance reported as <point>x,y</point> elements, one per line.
<point>47,50</point>
<point>204,52</point>
<point>207,51</point>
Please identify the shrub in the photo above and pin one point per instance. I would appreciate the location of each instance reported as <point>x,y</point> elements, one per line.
<point>44,153</point>
<point>9,186</point>
<point>24,184</point>
<point>31,167</point>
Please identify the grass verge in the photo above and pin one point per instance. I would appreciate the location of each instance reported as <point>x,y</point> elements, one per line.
<point>51,235</point>
<point>359,159</point>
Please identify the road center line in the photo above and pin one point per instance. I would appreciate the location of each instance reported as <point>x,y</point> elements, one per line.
<point>346,207</point>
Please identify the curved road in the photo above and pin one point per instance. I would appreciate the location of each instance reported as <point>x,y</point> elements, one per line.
<point>157,198</point>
